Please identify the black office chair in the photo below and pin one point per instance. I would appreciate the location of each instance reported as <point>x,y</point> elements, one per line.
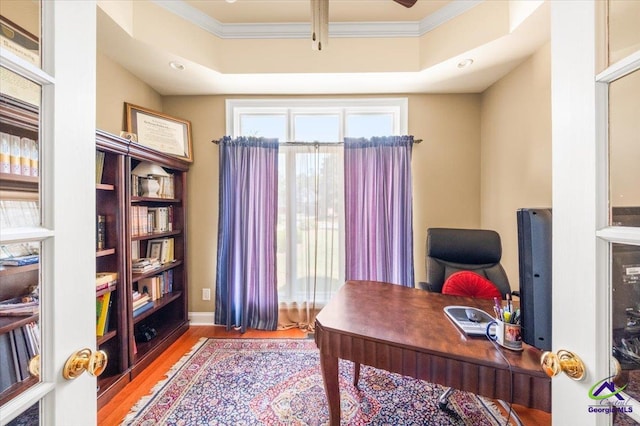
<point>450,251</point>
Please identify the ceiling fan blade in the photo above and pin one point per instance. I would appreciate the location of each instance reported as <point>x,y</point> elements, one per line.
<point>406,3</point>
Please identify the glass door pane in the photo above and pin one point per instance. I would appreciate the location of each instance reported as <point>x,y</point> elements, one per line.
<point>21,232</point>
<point>20,30</point>
<point>20,237</point>
<point>624,150</point>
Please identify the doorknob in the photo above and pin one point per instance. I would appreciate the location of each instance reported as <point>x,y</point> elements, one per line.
<point>565,361</point>
<point>34,366</point>
<point>84,359</point>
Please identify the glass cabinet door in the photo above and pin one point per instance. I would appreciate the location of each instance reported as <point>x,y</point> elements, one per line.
<point>621,83</point>
<point>22,235</point>
<point>47,236</point>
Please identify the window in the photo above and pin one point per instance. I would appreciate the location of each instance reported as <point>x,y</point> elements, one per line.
<point>310,236</point>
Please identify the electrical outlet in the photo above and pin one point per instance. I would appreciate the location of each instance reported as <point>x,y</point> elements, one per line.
<point>206,294</point>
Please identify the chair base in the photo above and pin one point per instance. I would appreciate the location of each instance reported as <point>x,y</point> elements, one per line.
<point>443,402</point>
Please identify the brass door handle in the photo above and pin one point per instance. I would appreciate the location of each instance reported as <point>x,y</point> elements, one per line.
<point>564,361</point>
<point>84,359</point>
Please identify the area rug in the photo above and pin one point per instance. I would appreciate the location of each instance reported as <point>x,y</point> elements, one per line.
<point>279,382</point>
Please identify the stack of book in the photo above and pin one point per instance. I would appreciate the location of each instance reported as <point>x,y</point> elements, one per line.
<point>144,264</point>
<point>19,306</point>
<point>105,280</point>
<point>141,303</point>
<point>29,259</point>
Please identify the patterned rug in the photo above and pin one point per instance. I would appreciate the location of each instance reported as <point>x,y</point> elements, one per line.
<point>278,382</point>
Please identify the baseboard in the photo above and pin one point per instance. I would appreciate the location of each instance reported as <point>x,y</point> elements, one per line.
<point>201,318</point>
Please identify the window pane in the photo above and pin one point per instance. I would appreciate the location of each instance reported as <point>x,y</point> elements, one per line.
<point>264,125</point>
<point>368,125</point>
<point>625,316</point>
<point>20,29</point>
<point>624,150</point>
<point>19,315</point>
<point>317,128</point>
<point>31,417</point>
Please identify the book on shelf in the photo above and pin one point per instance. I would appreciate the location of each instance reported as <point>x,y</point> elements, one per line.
<point>166,186</point>
<point>21,352</point>
<point>99,166</point>
<point>19,306</point>
<point>29,259</point>
<point>144,264</point>
<point>101,236</point>
<point>102,308</point>
<point>138,298</point>
<point>19,214</point>
<point>142,308</point>
<point>17,347</point>
<point>104,279</point>
<point>151,286</point>
<point>160,219</point>
<point>9,374</point>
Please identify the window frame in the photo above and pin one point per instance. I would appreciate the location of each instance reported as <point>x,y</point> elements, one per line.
<point>397,107</point>
<point>292,107</point>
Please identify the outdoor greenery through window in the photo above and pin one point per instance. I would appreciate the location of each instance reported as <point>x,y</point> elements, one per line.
<point>310,228</point>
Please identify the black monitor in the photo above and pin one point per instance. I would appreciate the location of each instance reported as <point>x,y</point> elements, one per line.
<point>534,262</point>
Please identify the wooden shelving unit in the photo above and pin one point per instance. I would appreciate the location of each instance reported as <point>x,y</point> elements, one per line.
<point>168,316</point>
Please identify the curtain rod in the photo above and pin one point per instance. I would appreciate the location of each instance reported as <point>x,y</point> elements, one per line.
<point>216,141</point>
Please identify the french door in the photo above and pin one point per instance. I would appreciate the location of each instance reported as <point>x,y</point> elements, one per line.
<point>596,206</point>
<point>48,71</point>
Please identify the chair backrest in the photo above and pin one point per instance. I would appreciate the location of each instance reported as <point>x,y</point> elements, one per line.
<point>450,250</point>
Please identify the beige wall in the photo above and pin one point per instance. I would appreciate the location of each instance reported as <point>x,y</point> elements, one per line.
<point>446,174</point>
<point>515,157</point>
<point>114,87</point>
<point>457,180</point>
<point>446,169</point>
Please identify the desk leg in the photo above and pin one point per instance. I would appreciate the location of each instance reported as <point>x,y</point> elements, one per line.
<point>356,374</point>
<point>329,366</point>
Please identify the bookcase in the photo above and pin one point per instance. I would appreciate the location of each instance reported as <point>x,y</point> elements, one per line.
<point>19,208</point>
<point>111,255</point>
<point>148,299</point>
<point>164,317</point>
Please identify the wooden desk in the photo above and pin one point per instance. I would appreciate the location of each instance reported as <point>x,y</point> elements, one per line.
<point>405,330</point>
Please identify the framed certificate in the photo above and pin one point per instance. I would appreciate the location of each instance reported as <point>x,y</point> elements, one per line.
<point>159,131</point>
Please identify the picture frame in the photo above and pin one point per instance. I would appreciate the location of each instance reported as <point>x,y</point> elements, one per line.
<point>159,131</point>
<point>154,250</point>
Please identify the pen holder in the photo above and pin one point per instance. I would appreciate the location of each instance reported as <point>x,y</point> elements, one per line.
<point>505,334</point>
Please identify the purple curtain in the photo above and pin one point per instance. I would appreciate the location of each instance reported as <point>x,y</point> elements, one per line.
<point>378,209</point>
<point>246,291</point>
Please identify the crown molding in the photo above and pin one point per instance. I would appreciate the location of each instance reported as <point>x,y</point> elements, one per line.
<point>302,30</point>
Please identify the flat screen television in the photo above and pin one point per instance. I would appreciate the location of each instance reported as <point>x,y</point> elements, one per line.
<point>534,265</point>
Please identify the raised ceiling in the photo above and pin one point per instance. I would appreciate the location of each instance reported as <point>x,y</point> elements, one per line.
<point>375,46</point>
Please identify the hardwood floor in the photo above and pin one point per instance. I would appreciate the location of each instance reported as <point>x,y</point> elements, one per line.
<point>115,410</point>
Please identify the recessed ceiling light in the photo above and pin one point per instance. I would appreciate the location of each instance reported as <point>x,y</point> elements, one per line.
<point>465,63</point>
<point>176,65</point>
<point>231,1</point>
